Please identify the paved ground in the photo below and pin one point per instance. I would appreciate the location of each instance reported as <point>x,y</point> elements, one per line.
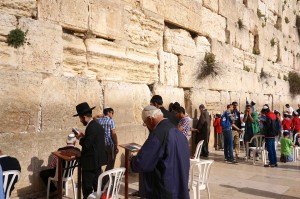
<point>245,180</point>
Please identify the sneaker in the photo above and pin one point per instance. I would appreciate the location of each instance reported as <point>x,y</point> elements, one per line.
<point>233,162</point>
<point>273,165</point>
<point>225,160</point>
<point>266,165</point>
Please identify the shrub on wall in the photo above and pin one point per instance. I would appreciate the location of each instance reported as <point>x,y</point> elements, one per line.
<point>16,38</point>
<point>294,82</point>
<point>208,66</point>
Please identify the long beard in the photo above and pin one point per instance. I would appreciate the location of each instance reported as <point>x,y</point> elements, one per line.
<point>84,123</point>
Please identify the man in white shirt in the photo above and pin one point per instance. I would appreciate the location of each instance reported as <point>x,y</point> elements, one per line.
<point>289,109</point>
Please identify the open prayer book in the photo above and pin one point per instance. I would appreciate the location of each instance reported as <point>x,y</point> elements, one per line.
<point>133,147</point>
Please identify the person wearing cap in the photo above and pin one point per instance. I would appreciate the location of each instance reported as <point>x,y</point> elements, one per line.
<point>157,101</point>
<point>93,154</point>
<point>270,133</point>
<point>9,163</point>
<point>288,109</point>
<point>164,158</point>
<point>50,172</point>
<point>111,139</point>
<point>295,125</point>
<point>203,130</point>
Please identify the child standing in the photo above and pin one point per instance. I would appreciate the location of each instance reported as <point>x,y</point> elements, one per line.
<point>218,130</point>
<point>286,145</point>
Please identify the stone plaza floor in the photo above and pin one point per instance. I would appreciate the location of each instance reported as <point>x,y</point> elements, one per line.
<point>244,180</point>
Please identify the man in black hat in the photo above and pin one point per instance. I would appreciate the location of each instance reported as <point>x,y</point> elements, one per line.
<point>93,154</point>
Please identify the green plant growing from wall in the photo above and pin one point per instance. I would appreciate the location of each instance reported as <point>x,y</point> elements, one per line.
<point>240,24</point>
<point>16,38</point>
<point>208,66</point>
<point>273,42</point>
<point>256,51</point>
<point>285,78</point>
<point>286,19</point>
<point>259,14</point>
<point>294,82</point>
<point>263,74</point>
<point>246,68</point>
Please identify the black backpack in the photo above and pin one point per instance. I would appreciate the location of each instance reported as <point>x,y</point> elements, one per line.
<point>271,127</point>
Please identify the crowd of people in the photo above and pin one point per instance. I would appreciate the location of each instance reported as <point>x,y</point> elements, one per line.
<point>164,158</point>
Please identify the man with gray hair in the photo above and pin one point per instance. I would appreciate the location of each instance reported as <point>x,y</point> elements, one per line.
<point>50,172</point>
<point>163,159</point>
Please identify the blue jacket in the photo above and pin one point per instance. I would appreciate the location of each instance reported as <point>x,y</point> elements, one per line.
<point>164,160</point>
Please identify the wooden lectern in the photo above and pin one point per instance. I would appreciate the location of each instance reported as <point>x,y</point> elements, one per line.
<point>129,148</point>
<point>68,155</point>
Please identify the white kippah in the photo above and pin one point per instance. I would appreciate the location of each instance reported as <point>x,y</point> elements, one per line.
<point>71,138</point>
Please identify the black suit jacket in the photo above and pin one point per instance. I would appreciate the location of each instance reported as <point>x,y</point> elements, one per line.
<point>93,154</point>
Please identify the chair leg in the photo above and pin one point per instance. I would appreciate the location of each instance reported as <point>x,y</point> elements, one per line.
<point>66,188</point>
<point>48,188</point>
<point>254,156</point>
<point>208,193</point>
<point>74,188</point>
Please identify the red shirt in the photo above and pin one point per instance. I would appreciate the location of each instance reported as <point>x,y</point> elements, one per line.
<point>217,125</point>
<point>296,124</point>
<point>287,124</point>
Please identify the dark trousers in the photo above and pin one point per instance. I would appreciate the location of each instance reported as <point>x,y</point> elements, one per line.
<point>204,150</point>
<point>45,174</point>
<point>270,145</point>
<point>111,156</point>
<point>89,182</point>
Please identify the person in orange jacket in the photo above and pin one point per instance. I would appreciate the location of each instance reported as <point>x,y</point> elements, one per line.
<point>218,130</point>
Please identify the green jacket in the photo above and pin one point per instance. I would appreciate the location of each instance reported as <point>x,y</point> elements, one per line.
<point>255,123</point>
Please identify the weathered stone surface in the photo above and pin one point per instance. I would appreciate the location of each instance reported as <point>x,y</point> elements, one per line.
<point>202,45</point>
<point>74,59</point>
<point>213,25</point>
<point>111,61</point>
<point>179,42</point>
<point>72,15</point>
<point>8,57</point>
<point>226,9</point>
<point>7,23</point>
<point>212,5</point>
<point>249,61</point>
<point>238,58</point>
<point>168,68</point>
<point>143,28</point>
<point>223,53</point>
<point>169,94</point>
<point>19,7</point>
<point>106,18</point>
<point>20,101</point>
<point>188,69</point>
<point>189,11</point>
<point>41,58</point>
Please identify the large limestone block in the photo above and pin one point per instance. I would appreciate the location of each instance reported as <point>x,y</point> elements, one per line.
<point>25,8</point>
<point>43,51</point>
<point>203,46</point>
<point>242,39</point>
<point>179,42</point>
<point>7,23</point>
<point>132,96</point>
<point>250,61</point>
<point>227,9</point>
<point>188,68</point>
<point>74,55</point>
<point>60,97</point>
<point>223,53</point>
<point>211,4</point>
<point>190,12</point>
<point>72,15</point>
<point>168,68</point>
<point>169,94</point>
<point>105,18</point>
<point>238,58</point>
<point>20,101</point>
<point>213,101</point>
<point>249,81</point>
<point>111,61</point>
<point>213,25</point>
<point>143,28</point>
<point>196,97</point>
<point>8,57</point>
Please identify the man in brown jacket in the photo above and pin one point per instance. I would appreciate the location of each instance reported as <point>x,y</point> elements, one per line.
<point>203,130</point>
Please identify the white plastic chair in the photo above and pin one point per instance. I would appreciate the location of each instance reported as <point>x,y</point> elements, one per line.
<point>241,139</point>
<point>8,181</point>
<point>259,148</point>
<point>67,175</point>
<point>112,187</point>
<point>197,153</point>
<point>296,148</point>
<point>199,178</point>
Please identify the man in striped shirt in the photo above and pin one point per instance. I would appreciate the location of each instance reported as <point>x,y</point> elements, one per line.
<point>110,136</point>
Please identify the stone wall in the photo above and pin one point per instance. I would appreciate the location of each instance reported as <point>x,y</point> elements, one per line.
<point>119,53</point>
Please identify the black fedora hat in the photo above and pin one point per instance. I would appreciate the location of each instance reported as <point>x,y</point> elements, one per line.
<point>83,108</point>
